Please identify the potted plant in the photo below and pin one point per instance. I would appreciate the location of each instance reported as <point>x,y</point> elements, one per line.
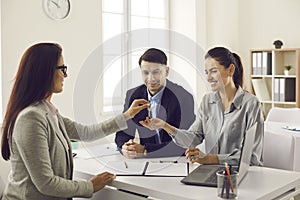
<point>287,68</point>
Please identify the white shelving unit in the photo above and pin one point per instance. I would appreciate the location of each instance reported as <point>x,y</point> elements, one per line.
<point>267,86</point>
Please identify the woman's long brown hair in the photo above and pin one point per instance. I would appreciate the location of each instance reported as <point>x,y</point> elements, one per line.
<point>33,83</point>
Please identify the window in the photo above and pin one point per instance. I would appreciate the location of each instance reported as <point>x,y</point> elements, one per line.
<point>121,16</point>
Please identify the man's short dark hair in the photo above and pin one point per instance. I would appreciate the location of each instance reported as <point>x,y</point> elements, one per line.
<point>155,56</point>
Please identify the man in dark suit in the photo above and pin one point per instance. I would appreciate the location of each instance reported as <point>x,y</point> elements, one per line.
<point>169,102</point>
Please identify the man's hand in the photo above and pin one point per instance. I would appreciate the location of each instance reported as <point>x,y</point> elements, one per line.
<point>131,149</point>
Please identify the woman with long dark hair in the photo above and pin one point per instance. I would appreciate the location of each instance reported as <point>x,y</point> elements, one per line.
<point>36,138</point>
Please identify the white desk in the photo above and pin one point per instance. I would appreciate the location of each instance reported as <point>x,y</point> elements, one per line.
<point>259,183</point>
<point>281,147</point>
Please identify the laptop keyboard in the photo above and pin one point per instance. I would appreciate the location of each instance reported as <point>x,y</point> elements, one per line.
<point>204,175</point>
<point>213,177</point>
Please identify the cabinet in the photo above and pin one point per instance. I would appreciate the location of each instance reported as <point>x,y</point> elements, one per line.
<point>270,84</point>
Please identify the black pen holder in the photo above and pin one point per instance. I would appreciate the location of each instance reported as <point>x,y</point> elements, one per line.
<point>227,185</point>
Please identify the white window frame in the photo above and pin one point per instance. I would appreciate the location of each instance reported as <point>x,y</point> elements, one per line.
<point>126,61</point>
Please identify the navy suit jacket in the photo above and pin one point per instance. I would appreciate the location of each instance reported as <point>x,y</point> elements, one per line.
<point>177,108</point>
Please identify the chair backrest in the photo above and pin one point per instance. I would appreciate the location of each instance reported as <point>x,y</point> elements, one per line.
<point>279,147</point>
<point>278,150</point>
<point>284,115</point>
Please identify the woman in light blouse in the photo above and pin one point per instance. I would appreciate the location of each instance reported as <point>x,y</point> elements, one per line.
<point>36,138</point>
<point>223,117</point>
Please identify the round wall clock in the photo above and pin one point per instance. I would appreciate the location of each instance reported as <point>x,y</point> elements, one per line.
<point>57,9</point>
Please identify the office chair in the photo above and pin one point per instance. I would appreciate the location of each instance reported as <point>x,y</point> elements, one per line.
<point>278,151</point>
<point>284,115</point>
<point>279,147</point>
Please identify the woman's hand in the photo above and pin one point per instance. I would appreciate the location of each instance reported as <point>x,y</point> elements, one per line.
<point>156,123</point>
<point>153,123</point>
<point>195,155</point>
<point>136,106</point>
<point>99,181</point>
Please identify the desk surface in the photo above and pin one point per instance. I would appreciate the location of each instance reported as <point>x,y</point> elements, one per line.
<point>277,127</point>
<point>259,183</point>
<point>270,185</point>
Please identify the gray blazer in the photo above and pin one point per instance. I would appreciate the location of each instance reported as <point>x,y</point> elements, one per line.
<point>41,157</point>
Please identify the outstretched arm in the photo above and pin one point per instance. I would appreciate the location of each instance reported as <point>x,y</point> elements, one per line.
<point>156,123</point>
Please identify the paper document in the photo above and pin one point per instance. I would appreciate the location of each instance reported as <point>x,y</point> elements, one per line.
<point>135,168</point>
<point>129,168</point>
<point>97,151</point>
<point>167,169</point>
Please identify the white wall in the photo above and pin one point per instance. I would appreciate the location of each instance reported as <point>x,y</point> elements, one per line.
<point>25,23</point>
<point>4,165</point>
<point>245,25</point>
<point>183,20</point>
<point>0,67</point>
<point>222,23</point>
<point>262,22</point>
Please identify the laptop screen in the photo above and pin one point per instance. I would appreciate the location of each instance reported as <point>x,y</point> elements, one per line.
<point>205,175</point>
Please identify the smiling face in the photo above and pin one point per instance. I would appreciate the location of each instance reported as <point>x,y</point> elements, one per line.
<point>218,76</point>
<point>154,76</point>
<point>59,77</point>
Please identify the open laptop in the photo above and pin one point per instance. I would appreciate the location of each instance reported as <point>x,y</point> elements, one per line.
<point>205,175</point>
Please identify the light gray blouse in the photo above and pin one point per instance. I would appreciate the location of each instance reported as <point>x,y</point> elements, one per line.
<point>223,132</point>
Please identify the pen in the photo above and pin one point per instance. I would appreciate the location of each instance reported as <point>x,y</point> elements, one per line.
<point>228,173</point>
<point>149,111</point>
<point>188,168</point>
<point>126,165</point>
<point>227,186</point>
<point>223,187</point>
<point>168,161</point>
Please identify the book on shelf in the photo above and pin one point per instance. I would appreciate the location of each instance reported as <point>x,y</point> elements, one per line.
<point>261,63</point>
<point>276,93</point>
<point>261,89</point>
<point>287,89</point>
<point>266,66</point>
<point>254,63</point>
